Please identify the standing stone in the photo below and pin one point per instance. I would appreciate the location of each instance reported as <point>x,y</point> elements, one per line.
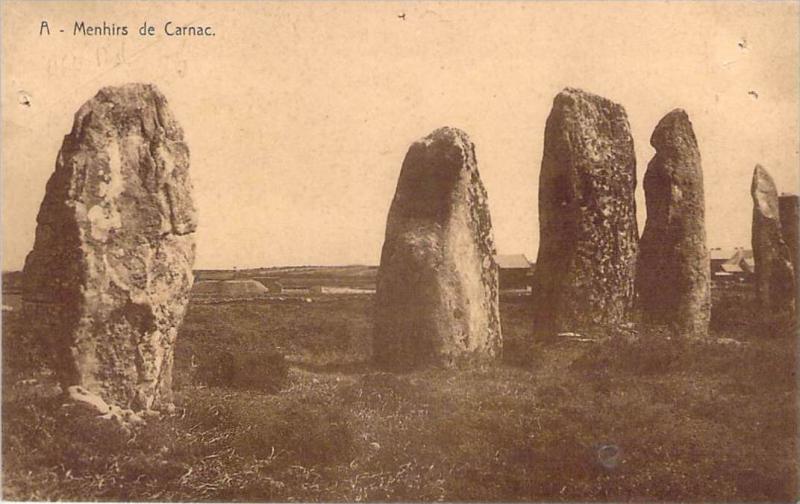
<point>775,285</point>
<point>789,205</point>
<point>584,277</point>
<point>107,283</point>
<point>673,277</point>
<point>437,287</point>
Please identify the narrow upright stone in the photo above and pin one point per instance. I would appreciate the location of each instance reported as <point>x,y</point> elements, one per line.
<point>673,271</point>
<point>775,284</point>
<point>437,287</point>
<point>789,205</point>
<point>584,277</point>
<point>108,280</point>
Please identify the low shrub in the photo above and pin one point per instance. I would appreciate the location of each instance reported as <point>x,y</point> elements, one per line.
<point>258,371</point>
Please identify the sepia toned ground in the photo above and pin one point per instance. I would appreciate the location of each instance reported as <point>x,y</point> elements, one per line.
<point>638,416</point>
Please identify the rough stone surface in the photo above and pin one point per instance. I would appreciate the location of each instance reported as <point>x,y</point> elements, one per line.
<point>775,285</point>
<point>108,280</point>
<point>789,205</point>
<point>673,278</point>
<point>584,276</point>
<point>437,286</point>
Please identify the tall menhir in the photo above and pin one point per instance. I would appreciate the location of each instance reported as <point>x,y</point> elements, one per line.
<point>107,283</point>
<point>673,271</point>
<point>774,272</point>
<point>588,235</point>
<point>437,293</point>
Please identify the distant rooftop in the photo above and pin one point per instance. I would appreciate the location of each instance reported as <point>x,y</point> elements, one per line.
<point>724,254</point>
<point>732,268</point>
<point>512,261</point>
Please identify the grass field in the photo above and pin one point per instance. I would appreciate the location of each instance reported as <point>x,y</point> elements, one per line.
<point>636,417</point>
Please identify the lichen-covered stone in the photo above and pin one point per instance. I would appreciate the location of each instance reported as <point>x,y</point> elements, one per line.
<point>584,277</point>
<point>108,280</point>
<point>673,271</point>
<point>437,287</point>
<point>775,279</point>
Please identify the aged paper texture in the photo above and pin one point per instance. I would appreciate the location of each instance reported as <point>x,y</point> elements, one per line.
<point>400,251</point>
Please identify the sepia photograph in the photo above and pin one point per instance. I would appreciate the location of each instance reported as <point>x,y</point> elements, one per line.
<point>400,251</point>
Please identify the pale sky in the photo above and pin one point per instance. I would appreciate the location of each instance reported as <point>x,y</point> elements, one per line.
<point>298,115</point>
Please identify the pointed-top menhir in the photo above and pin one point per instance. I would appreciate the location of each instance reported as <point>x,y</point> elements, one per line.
<point>673,278</point>
<point>775,278</point>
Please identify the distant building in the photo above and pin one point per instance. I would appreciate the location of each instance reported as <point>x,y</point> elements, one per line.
<point>731,264</point>
<point>516,271</point>
<point>228,288</point>
<point>12,282</point>
<point>272,285</point>
<point>718,257</point>
<point>202,275</point>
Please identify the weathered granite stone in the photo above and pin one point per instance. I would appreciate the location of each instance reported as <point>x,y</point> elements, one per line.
<point>107,282</point>
<point>437,287</point>
<point>775,284</point>
<point>789,205</point>
<point>584,277</point>
<point>673,278</point>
